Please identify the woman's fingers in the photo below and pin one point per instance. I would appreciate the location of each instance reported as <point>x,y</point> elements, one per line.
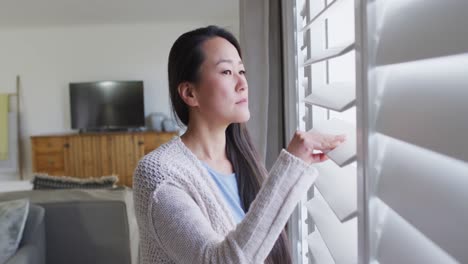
<point>304,144</point>
<point>319,157</point>
<point>339,139</point>
<point>327,143</point>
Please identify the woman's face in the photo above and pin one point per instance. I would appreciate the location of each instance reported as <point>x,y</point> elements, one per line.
<point>222,90</point>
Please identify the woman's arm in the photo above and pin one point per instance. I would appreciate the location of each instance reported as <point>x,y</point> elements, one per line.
<point>187,237</point>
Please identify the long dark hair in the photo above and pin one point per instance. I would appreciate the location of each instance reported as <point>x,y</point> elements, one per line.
<point>185,59</point>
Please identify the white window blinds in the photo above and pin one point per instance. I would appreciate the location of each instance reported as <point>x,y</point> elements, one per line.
<point>403,83</point>
<point>326,97</point>
<point>414,114</point>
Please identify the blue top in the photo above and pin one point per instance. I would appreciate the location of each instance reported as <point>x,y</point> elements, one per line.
<point>227,184</point>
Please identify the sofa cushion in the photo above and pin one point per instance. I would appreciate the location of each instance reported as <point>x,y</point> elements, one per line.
<point>44,181</point>
<point>13,215</point>
<point>91,232</point>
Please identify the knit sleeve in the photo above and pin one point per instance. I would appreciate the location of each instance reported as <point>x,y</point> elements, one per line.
<point>187,237</point>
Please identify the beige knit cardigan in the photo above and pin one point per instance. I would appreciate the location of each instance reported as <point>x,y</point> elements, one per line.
<point>183,218</point>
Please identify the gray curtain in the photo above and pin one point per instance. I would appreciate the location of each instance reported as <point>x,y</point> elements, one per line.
<point>261,42</point>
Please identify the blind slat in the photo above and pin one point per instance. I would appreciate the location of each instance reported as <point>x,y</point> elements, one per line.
<point>318,249</point>
<point>327,54</point>
<point>429,190</point>
<point>345,153</point>
<point>433,29</point>
<point>338,97</point>
<point>425,104</point>
<point>340,238</point>
<point>401,243</point>
<point>338,187</point>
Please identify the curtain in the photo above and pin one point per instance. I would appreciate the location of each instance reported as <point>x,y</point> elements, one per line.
<point>261,42</point>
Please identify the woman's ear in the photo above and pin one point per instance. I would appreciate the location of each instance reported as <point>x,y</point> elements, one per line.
<point>187,93</point>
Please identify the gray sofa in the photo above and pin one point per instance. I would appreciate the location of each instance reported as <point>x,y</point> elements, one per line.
<point>32,245</point>
<point>77,226</point>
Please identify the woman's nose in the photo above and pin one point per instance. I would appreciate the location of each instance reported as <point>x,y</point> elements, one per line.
<point>241,82</point>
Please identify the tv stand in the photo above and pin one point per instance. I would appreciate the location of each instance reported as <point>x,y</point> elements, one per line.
<point>108,130</point>
<point>98,154</point>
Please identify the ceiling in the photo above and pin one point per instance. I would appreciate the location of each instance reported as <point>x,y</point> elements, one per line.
<point>33,13</point>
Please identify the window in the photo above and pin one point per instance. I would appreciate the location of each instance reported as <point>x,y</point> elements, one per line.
<point>399,196</point>
<point>325,101</point>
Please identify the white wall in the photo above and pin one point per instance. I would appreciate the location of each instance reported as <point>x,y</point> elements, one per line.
<point>48,59</point>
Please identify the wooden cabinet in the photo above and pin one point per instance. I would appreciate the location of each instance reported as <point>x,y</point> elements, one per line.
<point>94,155</point>
<point>48,155</point>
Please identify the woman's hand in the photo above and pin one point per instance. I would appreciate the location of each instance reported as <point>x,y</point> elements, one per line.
<point>303,145</point>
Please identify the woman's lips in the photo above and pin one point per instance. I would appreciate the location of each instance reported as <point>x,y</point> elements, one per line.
<point>242,101</point>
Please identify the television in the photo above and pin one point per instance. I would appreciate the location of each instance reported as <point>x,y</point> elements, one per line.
<point>107,105</point>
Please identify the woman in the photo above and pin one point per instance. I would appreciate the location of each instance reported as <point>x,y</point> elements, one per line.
<point>204,197</point>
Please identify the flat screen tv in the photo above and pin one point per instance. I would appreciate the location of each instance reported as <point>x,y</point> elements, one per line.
<point>107,105</point>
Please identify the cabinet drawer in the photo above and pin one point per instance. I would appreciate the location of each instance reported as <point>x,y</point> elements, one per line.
<point>49,162</point>
<point>48,145</point>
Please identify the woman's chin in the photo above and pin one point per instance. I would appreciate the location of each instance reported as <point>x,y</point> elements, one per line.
<point>242,117</point>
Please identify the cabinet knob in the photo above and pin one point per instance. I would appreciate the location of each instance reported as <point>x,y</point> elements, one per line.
<point>140,143</point>
<point>66,145</point>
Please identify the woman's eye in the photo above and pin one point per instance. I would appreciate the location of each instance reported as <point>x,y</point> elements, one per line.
<point>227,72</point>
<point>242,72</point>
